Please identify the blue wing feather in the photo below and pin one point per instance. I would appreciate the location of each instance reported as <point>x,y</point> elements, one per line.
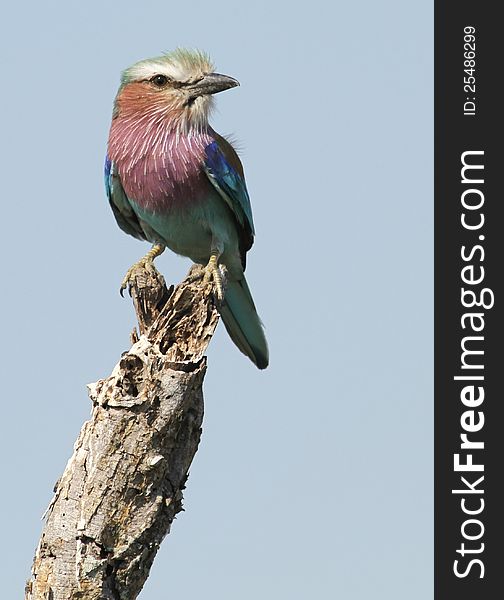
<point>230,184</point>
<point>107,171</point>
<point>121,207</point>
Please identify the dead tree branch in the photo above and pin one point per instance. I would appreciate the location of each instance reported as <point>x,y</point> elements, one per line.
<point>122,487</point>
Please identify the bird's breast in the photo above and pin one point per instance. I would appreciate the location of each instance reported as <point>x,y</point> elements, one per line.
<point>161,171</point>
<point>162,184</point>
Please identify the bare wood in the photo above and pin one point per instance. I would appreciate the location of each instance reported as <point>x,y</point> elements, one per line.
<point>122,487</point>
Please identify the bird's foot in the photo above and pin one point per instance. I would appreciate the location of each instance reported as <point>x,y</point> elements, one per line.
<point>210,273</point>
<point>144,267</point>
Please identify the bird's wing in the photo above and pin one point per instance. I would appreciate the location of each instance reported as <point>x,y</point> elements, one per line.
<point>224,169</point>
<point>121,207</point>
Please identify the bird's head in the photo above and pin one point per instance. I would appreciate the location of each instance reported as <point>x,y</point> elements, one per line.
<point>177,86</point>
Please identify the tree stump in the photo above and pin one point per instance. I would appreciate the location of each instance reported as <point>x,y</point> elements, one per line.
<point>122,487</point>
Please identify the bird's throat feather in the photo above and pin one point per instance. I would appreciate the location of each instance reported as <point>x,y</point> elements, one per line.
<point>159,162</point>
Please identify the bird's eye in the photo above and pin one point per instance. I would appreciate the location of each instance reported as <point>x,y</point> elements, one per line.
<point>160,80</point>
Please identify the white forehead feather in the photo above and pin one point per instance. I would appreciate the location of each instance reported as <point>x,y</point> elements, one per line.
<point>181,64</point>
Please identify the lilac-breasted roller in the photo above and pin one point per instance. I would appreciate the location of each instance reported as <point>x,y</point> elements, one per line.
<point>175,182</point>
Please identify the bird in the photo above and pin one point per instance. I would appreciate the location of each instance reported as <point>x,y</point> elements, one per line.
<point>173,181</point>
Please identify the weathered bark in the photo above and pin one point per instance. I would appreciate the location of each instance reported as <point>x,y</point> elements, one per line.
<point>122,487</point>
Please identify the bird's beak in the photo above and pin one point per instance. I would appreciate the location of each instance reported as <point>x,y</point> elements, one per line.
<point>212,84</point>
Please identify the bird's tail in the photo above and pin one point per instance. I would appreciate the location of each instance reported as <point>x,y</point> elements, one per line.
<point>243,324</point>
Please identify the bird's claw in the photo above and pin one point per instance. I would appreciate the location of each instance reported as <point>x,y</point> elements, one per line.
<point>136,271</point>
<point>141,270</point>
<point>209,273</point>
<point>212,273</point>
